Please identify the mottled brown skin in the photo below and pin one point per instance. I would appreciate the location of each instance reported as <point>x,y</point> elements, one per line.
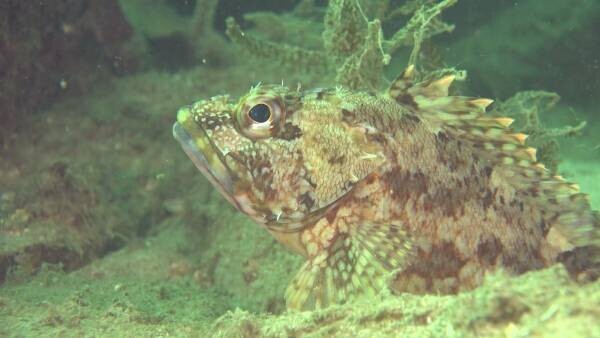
<point>364,185</point>
<point>461,220</point>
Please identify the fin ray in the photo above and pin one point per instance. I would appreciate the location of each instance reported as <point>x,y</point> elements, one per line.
<point>490,138</point>
<point>357,263</point>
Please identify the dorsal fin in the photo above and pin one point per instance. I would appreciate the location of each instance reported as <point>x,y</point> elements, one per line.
<point>403,87</point>
<point>565,208</point>
<point>400,85</point>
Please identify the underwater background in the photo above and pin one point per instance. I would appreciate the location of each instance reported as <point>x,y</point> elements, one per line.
<point>107,229</point>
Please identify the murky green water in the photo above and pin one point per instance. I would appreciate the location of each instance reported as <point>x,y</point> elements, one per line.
<point>108,229</point>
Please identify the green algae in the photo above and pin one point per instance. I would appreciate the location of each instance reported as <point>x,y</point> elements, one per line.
<point>354,47</point>
<point>105,299</point>
<point>165,255</point>
<point>527,108</point>
<point>543,303</point>
<point>118,296</point>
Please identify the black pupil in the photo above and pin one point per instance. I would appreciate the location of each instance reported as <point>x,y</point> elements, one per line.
<point>260,113</point>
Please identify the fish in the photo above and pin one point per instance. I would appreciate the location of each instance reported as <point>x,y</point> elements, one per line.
<point>410,189</point>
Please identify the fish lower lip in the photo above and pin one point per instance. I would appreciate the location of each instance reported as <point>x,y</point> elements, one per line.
<point>218,176</point>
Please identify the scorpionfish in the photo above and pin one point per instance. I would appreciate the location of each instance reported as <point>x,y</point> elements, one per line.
<point>410,188</point>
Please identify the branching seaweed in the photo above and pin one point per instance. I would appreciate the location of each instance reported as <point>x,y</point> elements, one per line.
<point>525,107</point>
<point>286,54</point>
<point>204,17</point>
<point>210,46</point>
<point>354,47</point>
<point>424,24</point>
<point>356,51</point>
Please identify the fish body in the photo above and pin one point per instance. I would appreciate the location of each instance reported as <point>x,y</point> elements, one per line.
<point>410,187</point>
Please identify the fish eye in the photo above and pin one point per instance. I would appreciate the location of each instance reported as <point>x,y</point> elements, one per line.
<point>260,113</point>
<point>261,117</point>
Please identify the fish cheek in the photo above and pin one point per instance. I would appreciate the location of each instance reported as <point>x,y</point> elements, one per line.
<point>272,180</point>
<point>338,157</point>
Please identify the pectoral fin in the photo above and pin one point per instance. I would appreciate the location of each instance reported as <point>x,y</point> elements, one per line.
<point>356,264</point>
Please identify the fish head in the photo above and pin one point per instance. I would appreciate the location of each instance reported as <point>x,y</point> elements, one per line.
<point>283,157</point>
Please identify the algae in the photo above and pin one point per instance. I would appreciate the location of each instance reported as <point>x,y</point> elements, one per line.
<point>525,107</point>
<point>547,45</point>
<point>131,293</point>
<point>354,47</point>
<point>542,303</point>
<point>106,229</point>
<point>172,41</point>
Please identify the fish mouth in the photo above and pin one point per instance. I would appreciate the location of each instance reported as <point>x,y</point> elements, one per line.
<point>206,158</point>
